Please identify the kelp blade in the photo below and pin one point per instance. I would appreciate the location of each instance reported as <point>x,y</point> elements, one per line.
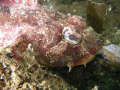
<point>96,13</point>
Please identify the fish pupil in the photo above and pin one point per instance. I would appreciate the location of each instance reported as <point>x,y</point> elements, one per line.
<point>72,37</point>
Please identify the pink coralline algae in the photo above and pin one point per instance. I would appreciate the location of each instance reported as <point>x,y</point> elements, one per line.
<point>52,38</point>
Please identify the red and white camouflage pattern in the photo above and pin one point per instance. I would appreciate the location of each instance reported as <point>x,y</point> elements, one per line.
<point>53,38</point>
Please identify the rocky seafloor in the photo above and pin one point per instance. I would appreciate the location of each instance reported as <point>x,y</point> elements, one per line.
<point>99,74</point>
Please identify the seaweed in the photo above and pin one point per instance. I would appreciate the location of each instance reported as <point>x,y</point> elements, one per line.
<point>96,13</point>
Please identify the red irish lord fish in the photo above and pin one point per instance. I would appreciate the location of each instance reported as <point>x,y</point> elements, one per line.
<point>53,38</point>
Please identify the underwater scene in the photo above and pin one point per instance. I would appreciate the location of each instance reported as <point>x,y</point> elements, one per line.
<point>59,44</point>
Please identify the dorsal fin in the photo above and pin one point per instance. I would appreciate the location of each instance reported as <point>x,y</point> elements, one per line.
<point>16,3</point>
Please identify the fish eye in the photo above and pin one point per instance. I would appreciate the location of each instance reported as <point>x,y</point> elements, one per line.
<point>72,37</point>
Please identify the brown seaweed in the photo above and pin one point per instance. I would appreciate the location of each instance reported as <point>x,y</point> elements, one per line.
<point>96,13</point>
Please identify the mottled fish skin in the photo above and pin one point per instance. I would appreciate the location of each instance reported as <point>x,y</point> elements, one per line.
<point>28,27</point>
<point>16,3</point>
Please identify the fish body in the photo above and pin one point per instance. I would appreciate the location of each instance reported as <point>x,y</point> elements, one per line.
<point>53,38</point>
